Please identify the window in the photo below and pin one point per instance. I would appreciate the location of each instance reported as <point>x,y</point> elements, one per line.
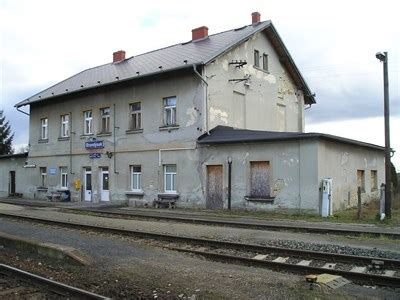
<point>256,58</point>
<point>374,180</point>
<point>44,129</point>
<point>43,176</point>
<point>265,62</point>
<point>87,125</point>
<point>64,177</point>
<point>170,178</point>
<point>361,180</point>
<point>136,116</point>
<point>136,178</point>
<point>64,125</point>
<point>260,179</point>
<point>169,111</point>
<point>105,119</point>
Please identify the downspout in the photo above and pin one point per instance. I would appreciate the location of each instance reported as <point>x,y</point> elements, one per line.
<point>206,102</point>
<point>22,111</point>
<point>70,143</point>
<point>115,127</point>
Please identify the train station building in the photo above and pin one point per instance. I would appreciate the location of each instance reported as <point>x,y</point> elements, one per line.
<point>218,117</point>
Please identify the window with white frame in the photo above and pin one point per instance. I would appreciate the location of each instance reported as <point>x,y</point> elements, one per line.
<point>136,116</point>
<point>64,177</point>
<point>169,111</point>
<point>170,178</point>
<point>44,128</point>
<point>87,125</point>
<point>43,176</point>
<point>105,119</point>
<point>64,125</point>
<point>136,178</point>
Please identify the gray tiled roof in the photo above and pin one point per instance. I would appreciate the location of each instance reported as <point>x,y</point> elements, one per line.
<point>228,135</point>
<point>170,58</point>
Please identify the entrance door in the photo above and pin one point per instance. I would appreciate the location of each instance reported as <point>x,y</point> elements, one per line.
<point>88,184</point>
<point>214,187</point>
<point>12,183</point>
<point>104,184</point>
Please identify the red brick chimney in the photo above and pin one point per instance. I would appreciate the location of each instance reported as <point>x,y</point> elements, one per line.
<point>118,56</point>
<point>199,33</point>
<point>255,17</point>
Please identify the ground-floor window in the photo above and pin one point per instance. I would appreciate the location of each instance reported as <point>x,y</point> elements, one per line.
<point>374,180</point>
<point>170,178</point>
<point>43,176</point>
<point>361,180</point>
<point>260,179</point>
<point>136,178</point>
<point>64,177</point>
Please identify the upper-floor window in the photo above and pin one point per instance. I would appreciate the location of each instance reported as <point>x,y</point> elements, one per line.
<point>361,180</point>
<point>136,178</point>
<point>105,119</point>
<point>170,178</point>
<point>64,125</point>
<point>43,176</point>
<point>87,125</point>
<point>44,128</point>
<point>136,116</point>
<point>256,58</point>
<point>64,177</point>
<point>169,111</point>
<point>374,180</point>
<point>265,62</point>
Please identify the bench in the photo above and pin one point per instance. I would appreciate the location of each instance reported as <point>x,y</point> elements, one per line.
<point>166,201</point>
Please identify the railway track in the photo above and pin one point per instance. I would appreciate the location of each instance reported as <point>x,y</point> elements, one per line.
<point>248,224</point>
<point>19,284</point>
<point>355,268</point>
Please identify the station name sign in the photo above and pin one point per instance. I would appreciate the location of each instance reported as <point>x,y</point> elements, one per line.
<point>94,145</point>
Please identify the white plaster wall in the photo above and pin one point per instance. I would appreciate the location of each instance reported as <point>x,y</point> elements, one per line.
<point>254,106</point>
<point>340,162</point>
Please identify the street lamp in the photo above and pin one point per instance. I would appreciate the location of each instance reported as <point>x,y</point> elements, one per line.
<point>383,57</point>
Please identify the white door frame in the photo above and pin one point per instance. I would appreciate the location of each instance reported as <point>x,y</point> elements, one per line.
<point>87,194</point>
<point>104,194</point>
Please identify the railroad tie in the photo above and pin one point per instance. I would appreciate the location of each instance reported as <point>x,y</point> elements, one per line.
<point>260,257</point>
<point>304,263</point>
<point>359,269</point>
<point>329,266</point>
<point>389,273</point>
<point>281,259</point>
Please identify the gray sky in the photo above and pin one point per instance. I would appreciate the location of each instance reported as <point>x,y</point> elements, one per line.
<point>332,42</point>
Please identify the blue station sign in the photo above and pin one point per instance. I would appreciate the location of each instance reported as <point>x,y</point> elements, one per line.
<point>94,145</point>
<point>94,155</point>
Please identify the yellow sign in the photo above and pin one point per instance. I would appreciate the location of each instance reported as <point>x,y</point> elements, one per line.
<point>77,184</point>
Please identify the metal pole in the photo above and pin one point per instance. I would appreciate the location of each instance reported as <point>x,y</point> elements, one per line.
<point>388,189</point>
<point>229,183</point>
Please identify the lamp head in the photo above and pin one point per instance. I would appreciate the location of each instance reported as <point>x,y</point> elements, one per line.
<point>380,56</point>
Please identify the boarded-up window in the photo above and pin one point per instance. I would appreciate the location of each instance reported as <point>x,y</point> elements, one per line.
<point>260,179</point>
<point>361,180</point>
<point>374,180</point>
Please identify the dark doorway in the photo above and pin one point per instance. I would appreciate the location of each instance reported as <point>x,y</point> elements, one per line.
<point>12,183</point>
<point>214,187</point>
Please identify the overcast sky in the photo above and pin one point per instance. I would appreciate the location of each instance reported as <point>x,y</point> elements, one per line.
<point>332,42</point>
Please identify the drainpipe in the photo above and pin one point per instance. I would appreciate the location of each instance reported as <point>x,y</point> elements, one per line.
<point>22,111</point>
<point>229,182</point>
<point>115,158</point>
<point>70,143</point>
<point>206,102</point>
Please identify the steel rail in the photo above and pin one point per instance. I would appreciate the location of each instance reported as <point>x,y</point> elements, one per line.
<point>360,278</point>
<point>335,257</point>
<point>57,287</point>
<point>239,224</point>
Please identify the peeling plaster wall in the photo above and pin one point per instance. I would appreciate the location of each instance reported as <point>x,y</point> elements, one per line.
<point>254,106</point>
<point>293,166</point>
<point>340,162</point>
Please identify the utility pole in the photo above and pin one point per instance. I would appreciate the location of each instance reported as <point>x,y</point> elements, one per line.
<point>383,57</point>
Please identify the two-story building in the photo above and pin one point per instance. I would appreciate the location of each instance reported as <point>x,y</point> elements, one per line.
<point>176,122</point>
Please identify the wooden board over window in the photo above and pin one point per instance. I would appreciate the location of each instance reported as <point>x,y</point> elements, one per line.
<point>361,179</point>
<point>260,174</point>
